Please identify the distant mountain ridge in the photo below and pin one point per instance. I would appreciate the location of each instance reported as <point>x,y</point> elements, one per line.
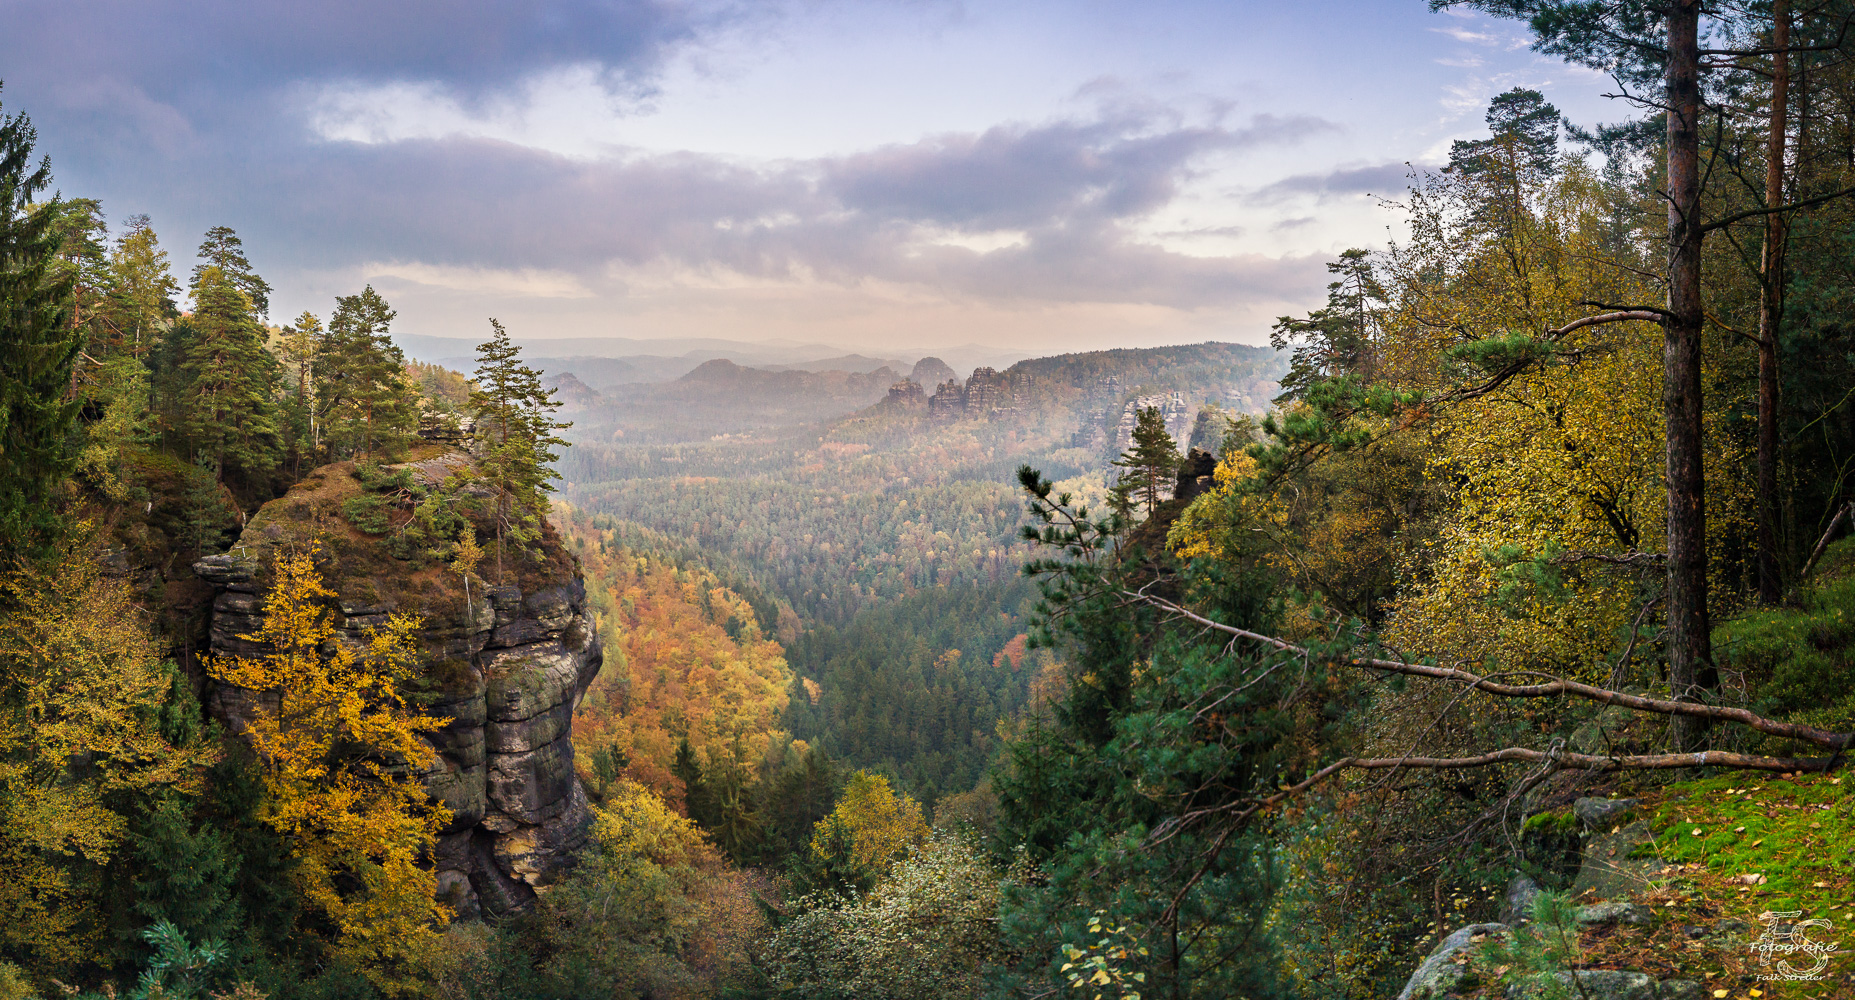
<point>932,371</point>
<point>1094,392</point>
<point>846,363</point>
<point>603,362</point>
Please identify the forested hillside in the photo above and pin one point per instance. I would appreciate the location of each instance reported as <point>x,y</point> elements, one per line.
<point>1490,634</point>
<point>891,536</point>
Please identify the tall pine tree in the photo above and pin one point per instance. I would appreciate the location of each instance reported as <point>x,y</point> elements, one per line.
<point>141,289</point>
<point>230,412</point>
<point>515,432</point>
<point>363,403</point>
<point>37,344</point>
<point>224,250</point>
<point>1150,465</point>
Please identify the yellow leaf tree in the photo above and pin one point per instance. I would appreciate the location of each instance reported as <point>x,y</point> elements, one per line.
<point>79,673</point>
<point>342,756</point>
<point>879,824</point>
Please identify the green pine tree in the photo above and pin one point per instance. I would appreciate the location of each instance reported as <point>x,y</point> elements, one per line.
<point>1151,464</point>
<point>1337,339</point>
<point>142,290</point>
<point>186,873</point>
<point>224,250</point>
<point>515,432</point>
<point>230,412</point>
<point>37,344</point>
<point>362,401</point>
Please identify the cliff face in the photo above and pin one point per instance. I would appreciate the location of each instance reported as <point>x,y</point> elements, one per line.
<point>507,665</point>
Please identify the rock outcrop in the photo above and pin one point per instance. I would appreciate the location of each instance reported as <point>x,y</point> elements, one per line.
<point>507,665</point>
<point>1450,971</point>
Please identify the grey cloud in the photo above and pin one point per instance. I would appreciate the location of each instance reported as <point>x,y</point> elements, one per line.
<point>180,107</point>
<point>1016,177</point>
<point>1071,187</point>
<point>182,50</point>
<point>1381,178</point>
<point>211,79</point>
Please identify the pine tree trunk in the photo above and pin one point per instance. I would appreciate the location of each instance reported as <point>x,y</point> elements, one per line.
<point>1770,304</point>
<point>1689,654</point>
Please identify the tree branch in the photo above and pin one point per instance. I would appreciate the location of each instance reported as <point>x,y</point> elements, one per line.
<point>1598,762</point>
<point>1658,310</point>
<point>1626,559</point>
<point>1551,689</point>
<point>1823,543</point>
<point>1792,207</point>
<point>1622,316</point>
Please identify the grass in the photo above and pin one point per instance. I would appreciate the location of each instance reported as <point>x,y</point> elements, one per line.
<point>1788,837</point>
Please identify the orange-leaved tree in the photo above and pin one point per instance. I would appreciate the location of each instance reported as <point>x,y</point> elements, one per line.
<point>342,759</point>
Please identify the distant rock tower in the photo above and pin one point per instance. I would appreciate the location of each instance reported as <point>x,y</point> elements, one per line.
<point>907,394</point>
<point>948,401</point>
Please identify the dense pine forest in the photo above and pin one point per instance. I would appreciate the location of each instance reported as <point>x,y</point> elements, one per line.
<point>1490,633</point>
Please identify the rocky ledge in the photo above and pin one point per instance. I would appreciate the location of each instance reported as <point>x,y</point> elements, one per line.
<point>507,666</point>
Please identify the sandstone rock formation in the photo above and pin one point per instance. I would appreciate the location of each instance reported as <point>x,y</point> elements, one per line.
<point>507,665</point>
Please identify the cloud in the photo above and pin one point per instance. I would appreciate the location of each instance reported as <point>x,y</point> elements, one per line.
<point>465,45</point>
<point>1467,35</point>
<point>394,141</point>
<point>1379,178</point>
<point>1060,173</point>
<point>1016,213</point>
<point>516,283</point>
<point>191,79</point>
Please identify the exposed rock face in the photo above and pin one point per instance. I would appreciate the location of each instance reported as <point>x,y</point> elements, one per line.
<point>907,394</point>
<point>510,665</point>
<point>986,393</point>
<point>1197,474</point>
<point>1596,814</point>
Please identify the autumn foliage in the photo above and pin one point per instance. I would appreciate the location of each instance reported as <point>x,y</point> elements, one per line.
<point>342,761</point>
<point>686,660</point>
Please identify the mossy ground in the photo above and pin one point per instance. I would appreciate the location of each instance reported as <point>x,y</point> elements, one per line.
<point>1745,845</point>
<point>358,564</point>
<point>1738,846</point>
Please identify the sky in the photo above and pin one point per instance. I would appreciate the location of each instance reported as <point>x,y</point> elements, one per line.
<point>1026,174</point>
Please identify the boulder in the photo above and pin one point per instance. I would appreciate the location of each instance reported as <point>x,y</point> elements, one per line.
<point>1599,814</point>
<point>1608,914</point>
<point>1441,975</point>
<point>1517,906</point>
<point>1612,869</point>
<point>1592,984</point>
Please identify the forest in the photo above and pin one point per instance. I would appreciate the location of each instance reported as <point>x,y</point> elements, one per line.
<point>1489,634</point>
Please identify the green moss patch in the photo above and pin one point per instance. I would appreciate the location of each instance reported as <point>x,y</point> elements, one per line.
<point>1786,842</point>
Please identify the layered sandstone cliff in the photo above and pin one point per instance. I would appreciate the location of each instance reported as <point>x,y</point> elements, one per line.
<point>506,664</point>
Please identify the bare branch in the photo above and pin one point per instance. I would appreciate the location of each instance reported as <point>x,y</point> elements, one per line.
<point>1623,316</point>
<point>1823,543</point>
<point>1556,688</point>
<point>1658,310</point>
<point>1792,207</point>
<point>1626,559</point>
<point>1715,320</point>
<point>1596,762</point>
